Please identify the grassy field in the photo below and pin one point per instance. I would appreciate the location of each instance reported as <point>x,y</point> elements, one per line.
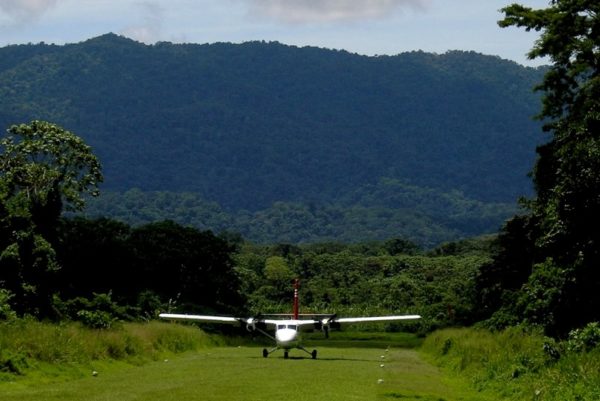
<point>161,361</point>
<point>240,373</point>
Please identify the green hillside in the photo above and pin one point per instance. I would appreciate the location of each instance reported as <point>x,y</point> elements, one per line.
<point>250,125</point>
<point>427,217</point>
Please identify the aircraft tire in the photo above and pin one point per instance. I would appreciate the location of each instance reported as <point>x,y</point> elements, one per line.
<point>286,355</point>
<point>265,353</point>
<point>314,354</point>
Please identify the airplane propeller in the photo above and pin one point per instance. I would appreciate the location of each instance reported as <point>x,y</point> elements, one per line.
<point>327,323</point>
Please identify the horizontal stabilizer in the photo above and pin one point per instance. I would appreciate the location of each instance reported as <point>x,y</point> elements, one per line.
<point>300,315</point>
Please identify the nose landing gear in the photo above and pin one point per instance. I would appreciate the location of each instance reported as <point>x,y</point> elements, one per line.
<point>286,353</point>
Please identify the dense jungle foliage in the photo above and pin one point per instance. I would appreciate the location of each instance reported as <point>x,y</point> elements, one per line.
<point>547,269</point>
<point>98,271</point>
<point>392,209</point>
<point>110,271</point>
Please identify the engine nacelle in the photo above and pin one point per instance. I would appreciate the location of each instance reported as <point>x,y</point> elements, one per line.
<point>251,324</point>
<point>325,323</point>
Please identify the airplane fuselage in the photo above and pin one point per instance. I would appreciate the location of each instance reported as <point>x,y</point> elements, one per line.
<point>287,334</point>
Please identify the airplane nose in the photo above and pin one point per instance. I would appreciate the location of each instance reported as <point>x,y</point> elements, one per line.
<point>285,336</point>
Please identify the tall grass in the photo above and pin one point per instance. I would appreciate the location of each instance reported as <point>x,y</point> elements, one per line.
<point>26,343</point>
<point>517,364</point>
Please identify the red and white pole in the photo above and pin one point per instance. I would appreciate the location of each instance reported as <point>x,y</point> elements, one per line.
<point>296,285</point>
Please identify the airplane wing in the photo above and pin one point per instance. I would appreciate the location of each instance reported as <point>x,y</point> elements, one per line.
<point>328,319</point>
<point>314,320</point>
<point>202,318</point>
<point>250,321</point>
<point>374,319</point>
<point>333,321</point>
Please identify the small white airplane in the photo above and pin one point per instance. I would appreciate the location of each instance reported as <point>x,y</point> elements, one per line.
<point>288,326</point>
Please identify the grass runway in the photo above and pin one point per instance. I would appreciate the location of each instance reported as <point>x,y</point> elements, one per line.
<point>241,373</point>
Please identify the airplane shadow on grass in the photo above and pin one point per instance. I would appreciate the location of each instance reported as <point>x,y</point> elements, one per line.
<point>325,359</point>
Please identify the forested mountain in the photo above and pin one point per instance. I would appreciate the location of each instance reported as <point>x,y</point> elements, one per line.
<point>250,125</point>
<point>426,217</point>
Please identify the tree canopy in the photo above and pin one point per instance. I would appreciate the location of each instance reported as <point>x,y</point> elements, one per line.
<point>560,242</point>
<point>42,168</point>
<point>569,38</point>
<point>50,167</point>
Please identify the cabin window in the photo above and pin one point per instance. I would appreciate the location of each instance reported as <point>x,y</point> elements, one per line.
<point>292,326</point>
<point>281,326</point>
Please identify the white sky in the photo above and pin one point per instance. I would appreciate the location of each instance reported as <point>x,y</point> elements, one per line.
<point>361,26</point>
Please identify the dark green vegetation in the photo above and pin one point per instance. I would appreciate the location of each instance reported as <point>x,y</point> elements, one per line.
<point>43,168</point>
<point>439,145</point>
<point>100,271</point>
<point>166,266</point>
<point>547,269</point>
<point>391,209</point>
<point>366,279</point>
<point>56,268</point>
<point>517,364</point>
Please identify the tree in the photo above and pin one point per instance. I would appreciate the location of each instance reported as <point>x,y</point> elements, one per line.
<point>500,280</point>
<point>175,262</point>
<point>277,270</point>
<point>50,167</point>
<point>42,168</point>
<point>567,173</point>
<point>95,258</point>
<point>570,38</point>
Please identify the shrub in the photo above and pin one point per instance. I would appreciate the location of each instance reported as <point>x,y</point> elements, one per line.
<point>584,339</point>
<point>6,312</point>
<point>14,363</point>
<point>520,363</point>
<point>96,319</point>
<point>150,304</point>
<point>99,312</point>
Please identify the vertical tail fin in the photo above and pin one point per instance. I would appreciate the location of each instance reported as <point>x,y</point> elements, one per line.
<point>296,285</point>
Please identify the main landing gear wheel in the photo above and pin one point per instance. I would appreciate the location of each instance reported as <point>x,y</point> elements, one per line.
<point>286,355</point>
<point>265,353</point>
<point>314,354</point>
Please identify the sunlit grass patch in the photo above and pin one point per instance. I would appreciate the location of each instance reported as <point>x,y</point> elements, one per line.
<point>516,364</point>
<point>28,346</point>
<point>241,373</point>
